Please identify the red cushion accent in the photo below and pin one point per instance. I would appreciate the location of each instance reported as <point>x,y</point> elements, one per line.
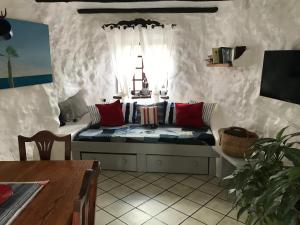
<point>189,115</point>
<point>111,114</point>
<point>5,193</point>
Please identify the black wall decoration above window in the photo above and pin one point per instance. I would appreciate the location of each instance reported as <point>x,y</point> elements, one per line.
<point>5,27</point>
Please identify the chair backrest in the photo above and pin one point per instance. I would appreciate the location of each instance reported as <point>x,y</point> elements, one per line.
<point>84,205</point>
<point>44,141</point>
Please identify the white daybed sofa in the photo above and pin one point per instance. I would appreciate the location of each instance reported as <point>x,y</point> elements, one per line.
<point>148,157</point>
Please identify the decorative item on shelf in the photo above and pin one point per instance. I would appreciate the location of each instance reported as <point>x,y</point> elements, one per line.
<point>224,56</point>
<point>5,27</point>
<point>235,141</point>
<point>140,80</point>
<point>163,92</point>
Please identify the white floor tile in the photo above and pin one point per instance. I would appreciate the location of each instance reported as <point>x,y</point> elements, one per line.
<point>150,177</point>
<point>121,191</point>
<point>192,221</point>
<point>105,200</point>
<point>110,173</point>
<point>116,222</point>
<point>153,221</point>
<point>199,197</point>
<point>102,218</point>
<point>118,208</point>
<point>203,177</point>
<point>101,178</point>
<point>151,190</point>
<point>123,177</point>
<point>181,189</point>
<point>208,216</point>
<point>100,191</point>
<point>186,206</point>
<point>135,199</point>
<point>134,173</point>
<point>135,217</point>
<point>220,205</point>
<point>193,182</point>
<point>171,216</point>
<point>108,184</point>
<point>167,198</point>
<point>152,207</point>
<point>210,188</point>
<point>136,184</point>
<point>229,221</point>
<point>164,183</point>
<point>176,177</point>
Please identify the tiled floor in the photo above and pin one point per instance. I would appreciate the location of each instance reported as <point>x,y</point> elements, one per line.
<point>154,198</point>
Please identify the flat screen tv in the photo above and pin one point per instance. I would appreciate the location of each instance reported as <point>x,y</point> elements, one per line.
<point>281,75</point>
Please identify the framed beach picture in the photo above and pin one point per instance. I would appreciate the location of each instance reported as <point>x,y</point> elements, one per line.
<point>25,59</point>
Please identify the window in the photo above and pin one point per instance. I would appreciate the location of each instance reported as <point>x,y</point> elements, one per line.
<point>141,59</point>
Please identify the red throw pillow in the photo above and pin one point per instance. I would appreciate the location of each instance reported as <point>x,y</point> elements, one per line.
<point>111,114</point>
<point>5,193</point>
<point>189,115</point>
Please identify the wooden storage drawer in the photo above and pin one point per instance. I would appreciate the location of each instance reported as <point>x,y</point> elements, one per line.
<point>177,164</point>
<point>113,161</point>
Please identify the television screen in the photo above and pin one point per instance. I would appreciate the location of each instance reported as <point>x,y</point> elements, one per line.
<point>281,75</point>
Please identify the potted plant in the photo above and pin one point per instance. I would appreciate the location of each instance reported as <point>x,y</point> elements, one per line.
<point>265,188</point>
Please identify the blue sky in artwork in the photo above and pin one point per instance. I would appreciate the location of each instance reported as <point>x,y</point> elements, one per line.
<point>31,41</point>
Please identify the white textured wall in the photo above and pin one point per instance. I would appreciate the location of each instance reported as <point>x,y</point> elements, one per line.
<point>80,59</point>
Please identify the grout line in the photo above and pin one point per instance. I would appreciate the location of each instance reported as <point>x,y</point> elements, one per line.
<point>162,191</point>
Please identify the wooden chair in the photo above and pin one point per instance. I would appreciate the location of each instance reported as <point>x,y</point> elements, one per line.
<point>44,141</point>
<point>84,206</point>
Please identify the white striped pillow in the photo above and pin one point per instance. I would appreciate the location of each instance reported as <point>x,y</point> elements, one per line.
<point>208,109</point>
<point>94,114</point>
<point>129,111</point>
<point>170,113</point>
<point>149,115</point>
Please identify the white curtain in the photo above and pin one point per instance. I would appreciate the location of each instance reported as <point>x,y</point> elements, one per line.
<point>123,45</point>
<point>157,46</point>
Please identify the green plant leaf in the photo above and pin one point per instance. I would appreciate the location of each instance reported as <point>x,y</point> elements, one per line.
<point>241,211</point>
<point>294,174</point>
<point>293,154</point>
<point>280,133</point>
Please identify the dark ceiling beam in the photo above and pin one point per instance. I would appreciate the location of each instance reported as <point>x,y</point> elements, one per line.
<point>149,10</point>
<point>120,1</point>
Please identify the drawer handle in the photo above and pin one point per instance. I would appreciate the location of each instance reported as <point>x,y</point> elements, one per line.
<point>158,162</point>
<point>124,161</point>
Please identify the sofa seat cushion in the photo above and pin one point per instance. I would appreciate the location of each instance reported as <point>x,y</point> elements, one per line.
<point>139,134</point>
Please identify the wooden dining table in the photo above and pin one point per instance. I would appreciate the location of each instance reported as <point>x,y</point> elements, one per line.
<point>53,205</point>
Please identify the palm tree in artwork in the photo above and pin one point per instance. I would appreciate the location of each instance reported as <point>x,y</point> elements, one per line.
<point>10,52</point>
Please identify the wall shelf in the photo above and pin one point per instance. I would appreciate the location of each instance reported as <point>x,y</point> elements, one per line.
<point>224,56</point>
<point>219,65</point>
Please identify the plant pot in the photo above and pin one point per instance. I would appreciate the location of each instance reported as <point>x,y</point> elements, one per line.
<point>235,141</point>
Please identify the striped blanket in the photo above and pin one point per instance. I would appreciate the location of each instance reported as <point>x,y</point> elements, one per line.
<point>140,134</point>
<point>22,195</point>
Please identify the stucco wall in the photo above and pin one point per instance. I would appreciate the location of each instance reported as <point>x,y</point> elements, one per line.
<point>80,59</point>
